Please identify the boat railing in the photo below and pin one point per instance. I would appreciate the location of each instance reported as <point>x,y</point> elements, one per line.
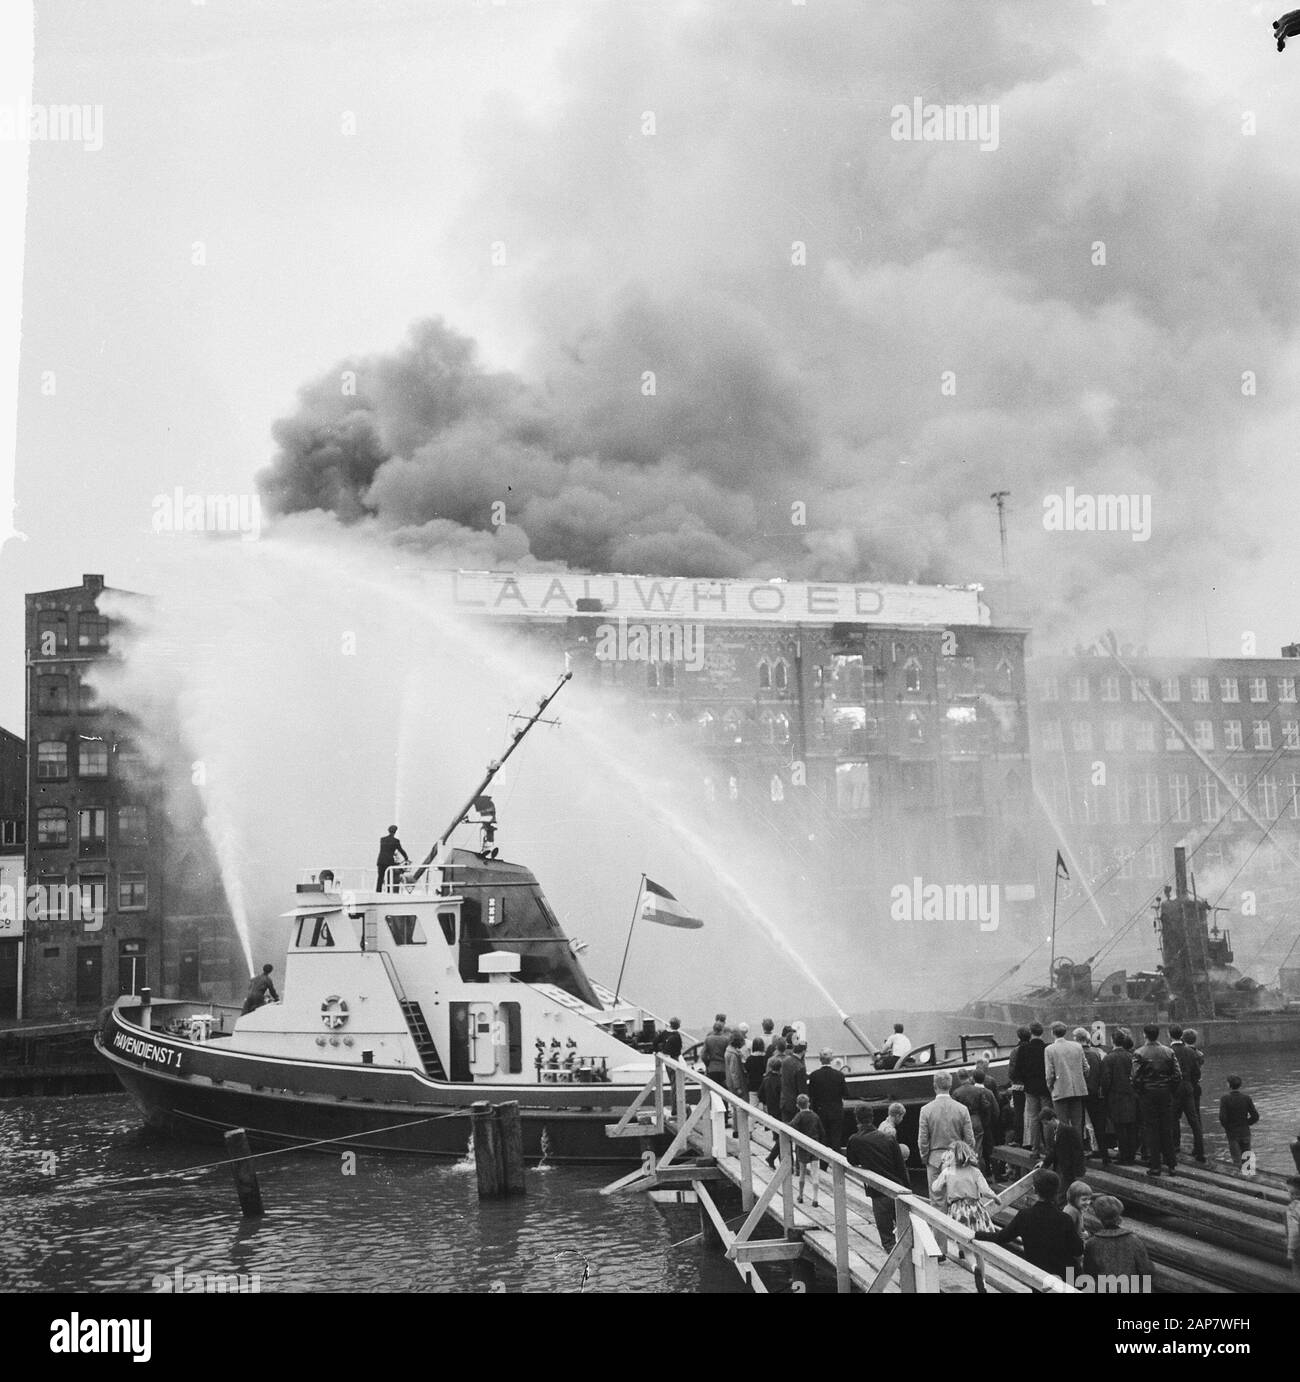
<point>354,880</point>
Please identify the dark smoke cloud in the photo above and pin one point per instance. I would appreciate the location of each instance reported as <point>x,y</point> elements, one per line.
<point>820,384</point>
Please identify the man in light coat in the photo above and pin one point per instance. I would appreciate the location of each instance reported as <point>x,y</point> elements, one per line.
<point>1067,1078</point>
<point>943,1122</point>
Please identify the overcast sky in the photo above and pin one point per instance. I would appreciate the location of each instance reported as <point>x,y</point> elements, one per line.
<point>229,124</point>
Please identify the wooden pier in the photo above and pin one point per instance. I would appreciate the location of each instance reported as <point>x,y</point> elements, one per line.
<point>704,1156</point>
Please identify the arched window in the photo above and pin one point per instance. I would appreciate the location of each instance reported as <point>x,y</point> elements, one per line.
<point>764,676</point>
<point>912,676</point>
<point>778,788</point>
<point>768,732</point>
<point>51,632</point>
<point>915,727</point>
<point>51,760</point>
<point>52,825</point>
<point>731,726</point>
<point>781,729</point>
<point>704,722</point>
<point>733,788</point>
<point>780,675</point>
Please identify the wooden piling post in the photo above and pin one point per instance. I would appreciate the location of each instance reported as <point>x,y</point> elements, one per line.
<point>487,1151</point>
<point>246,1186</point>
<point>511,1137</point>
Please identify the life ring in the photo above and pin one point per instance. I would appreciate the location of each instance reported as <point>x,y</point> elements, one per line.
<point>334,1012</point>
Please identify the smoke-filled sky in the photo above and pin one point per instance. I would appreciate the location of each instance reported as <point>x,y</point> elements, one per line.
<point>352,170</point>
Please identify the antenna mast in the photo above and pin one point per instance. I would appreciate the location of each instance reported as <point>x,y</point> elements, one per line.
<point>1000,497</point>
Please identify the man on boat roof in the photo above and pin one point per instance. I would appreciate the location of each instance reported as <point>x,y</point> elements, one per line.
<point>389,848</point>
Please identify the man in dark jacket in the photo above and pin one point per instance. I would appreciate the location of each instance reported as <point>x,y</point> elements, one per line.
<point>714,1054</point>
<point>1016,1078</point>
<point>1157,1081</point>
<point>794,1080</point>
<point>983,1106</point>
<point>877,1151</point>
<point>1237,1115</point>
<point>1032,1069</point>
<point>827,1090</point>
<point>1047,1233</point>
<point>262,985</point>
<point>389,848</point>
<point>1096,1104</point>
<point>1188,1103</point>
<point>1118,1096</point>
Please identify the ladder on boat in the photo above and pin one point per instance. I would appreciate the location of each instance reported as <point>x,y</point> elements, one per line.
<point>423,1038</point>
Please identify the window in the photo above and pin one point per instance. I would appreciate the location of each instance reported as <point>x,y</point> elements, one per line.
<point>780,675</point>
<point>1173,739</point>
<point>1048,690</point>
<point>91,821</point>
<point>1207,789</point>
<point>1266,796</point>
<point>1203,734</point>
<point>1293,795</point>
<point>777,788</point>
<point>1238,796</point>
<point>406,930</point>
<point>704,722</point>
<point>1232,734</point>
<point>915,727</point>
<point>1110,688</point>
<point>1123,862</point>
<point>1052,740</point>
<point>912,676</point>
<point>132,892</point>
<point>51,632</point>
<point>132,825</point>
<point>781,729</point>
<point>1169,689</point>
<point>668,674</point>
<point>1119,799</point>
<point>51,760</point>
<point>1180,797</point>
<point>52,694</point>
<point>1286,688</point>
<point>92,632</point>
<point>1114,736</point>
<point>652,676</point>
<point>1228,689</point>
<point>1144,736</point>
<point>853,786</point>
<point>1138,688</point>
<point>1151,857</point>
<point>1200,688</point>
<point>1258,689</point>
<point>731,726</point>
<point>87,697</point>
<point>1078,688</point>
<point>313,933</point>
<point>1081,734</point>
<point>13,832</point>
<point>92,758</point>
<point>1090,858</point>
<point>1148,788</point>
<point>53,898</point>
<point>1291,734</point>
<point>1263,733</point>
<point>764,676</point>
<point>52,826</point>
<point>733,788</point>
<point>94,887</point>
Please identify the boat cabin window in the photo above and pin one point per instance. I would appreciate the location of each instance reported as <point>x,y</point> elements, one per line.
<point>406,930</point>
<point>447,920</point>
<point>313,932</point>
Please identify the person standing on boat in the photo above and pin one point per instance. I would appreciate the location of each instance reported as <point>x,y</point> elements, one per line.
<point>1157,1080</point>
<point>1067,1077</point>
<point>1118,1097</point>
<point>389,848</point>
<point>827,1090</point>
<point>1188,1104</point>
<point>943,1122</point>
<point>671,1041</point>
<point>258,990</point>
<point>1033,1071</point>
<point>895,1048</point>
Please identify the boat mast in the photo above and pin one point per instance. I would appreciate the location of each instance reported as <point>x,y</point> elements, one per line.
<point>493,768</point>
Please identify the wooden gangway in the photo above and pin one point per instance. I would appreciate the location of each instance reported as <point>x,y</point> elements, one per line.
<point>703,1155</point>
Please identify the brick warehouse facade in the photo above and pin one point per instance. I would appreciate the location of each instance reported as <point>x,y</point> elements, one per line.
<point>130,892</point>
<point>1126,780</point>
<point>881,732</point>
<point>13,835</point>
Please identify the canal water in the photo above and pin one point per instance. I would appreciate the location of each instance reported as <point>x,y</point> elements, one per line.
<point>91,1201</point>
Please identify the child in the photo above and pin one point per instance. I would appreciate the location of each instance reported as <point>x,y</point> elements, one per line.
<point>1078,1207</point>
<point>1237,1114</point>
<point>962,1183</point>
<point>1293,1225</point>
<point>1114,1250</point>
<point>807,1122</point>
<point>893,1126</point>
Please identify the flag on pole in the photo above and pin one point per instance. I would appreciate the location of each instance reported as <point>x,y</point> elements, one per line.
<point>1061,870</point>
<point>658,904</point>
